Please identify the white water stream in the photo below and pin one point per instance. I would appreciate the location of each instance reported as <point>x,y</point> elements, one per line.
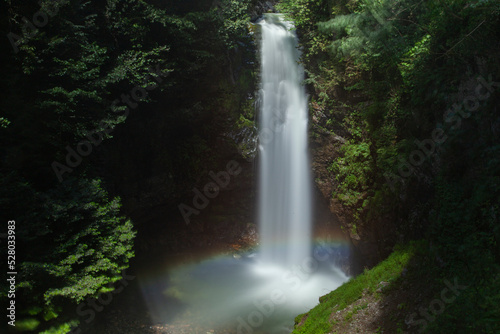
<point>284,184</point>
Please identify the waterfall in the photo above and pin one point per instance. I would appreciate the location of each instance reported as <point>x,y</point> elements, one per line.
<point>284,171</point>
<point>261,293</point>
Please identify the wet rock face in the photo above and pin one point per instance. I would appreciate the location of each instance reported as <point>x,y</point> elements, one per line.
<point>226,223</point>
<point>372,240</point>
<point>324,150</point>
<point>262,7</point>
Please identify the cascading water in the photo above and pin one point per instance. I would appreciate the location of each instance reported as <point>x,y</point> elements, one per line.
<point>284,184</point>
<point>249,293</point>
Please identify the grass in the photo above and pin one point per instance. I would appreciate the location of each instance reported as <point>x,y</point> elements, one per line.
<point>318,318</point>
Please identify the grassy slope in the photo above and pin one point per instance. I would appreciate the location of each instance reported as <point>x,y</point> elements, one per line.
<point>319,319</point>
<point>412,291</point>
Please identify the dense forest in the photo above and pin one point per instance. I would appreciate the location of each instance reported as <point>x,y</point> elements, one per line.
<point>411,87</point>
<point>78,75</point>
<point>114,108</point>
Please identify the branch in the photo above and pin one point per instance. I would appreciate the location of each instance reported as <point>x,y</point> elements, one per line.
<point>460,41</point>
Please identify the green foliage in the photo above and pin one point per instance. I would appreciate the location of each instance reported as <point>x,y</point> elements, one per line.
<point>88,65</point>
<point>72,244</point>
<point>234,19</point>
<point>29,324</point>
<point>389,270</point>
<point>91,237</point>
<point>61,86</point>
<point>303,11</point>
<point>365,35</point>
<point>413,57</point>
<point>62,329</point>
<point>387,74</point>
<point>353,173</point>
